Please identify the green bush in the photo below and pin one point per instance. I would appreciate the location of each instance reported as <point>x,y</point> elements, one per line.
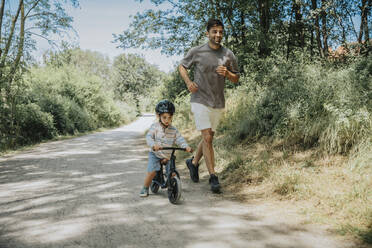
<point>34,124</point>
<point>77,101</point>
<point>308,105</point>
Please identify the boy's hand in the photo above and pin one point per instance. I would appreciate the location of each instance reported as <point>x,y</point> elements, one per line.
<point>189,149</point>
<point>164,161</point>
<point>156,148</point>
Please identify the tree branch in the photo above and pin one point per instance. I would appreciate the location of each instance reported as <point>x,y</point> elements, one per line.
<point>7,47</point>
<point>21,44</point>
<point>33,6</point>
<point>1,18</point>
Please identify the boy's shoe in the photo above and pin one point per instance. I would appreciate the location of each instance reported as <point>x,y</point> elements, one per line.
<point>215,184</point>
<point>194,170</point>
<point>144,192</point>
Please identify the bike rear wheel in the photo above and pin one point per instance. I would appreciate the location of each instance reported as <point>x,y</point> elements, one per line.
<point>174,190</point>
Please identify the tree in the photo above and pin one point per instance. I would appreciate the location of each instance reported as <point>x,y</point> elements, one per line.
<point>85,60</point>
<point>177,29</point>
<point>17,29</point>
<point>254,29</point>
<point>34,18</point>
<point>134,76</point>
<point>365,8</point>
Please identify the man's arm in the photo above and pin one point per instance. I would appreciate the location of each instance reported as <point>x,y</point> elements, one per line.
<point>193,87</point>
<point>223,71</point>
<point>233,77</point>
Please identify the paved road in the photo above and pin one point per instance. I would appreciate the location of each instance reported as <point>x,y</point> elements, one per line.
<point>83,192</point>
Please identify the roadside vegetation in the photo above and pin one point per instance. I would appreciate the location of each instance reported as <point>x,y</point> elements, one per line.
<point>74,92</point>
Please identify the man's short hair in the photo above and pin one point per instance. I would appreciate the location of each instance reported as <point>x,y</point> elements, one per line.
<point>214,22</point>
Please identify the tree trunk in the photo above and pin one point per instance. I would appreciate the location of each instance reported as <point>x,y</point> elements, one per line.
<point>290,30</point>
<point>263,8</point>
<point>2,6</point>
<point>324,28</point>
<point>9,41</point>
<point>14,128</point>
<point>299,25</point>
<point>363,21</point>
<point>314,6</point>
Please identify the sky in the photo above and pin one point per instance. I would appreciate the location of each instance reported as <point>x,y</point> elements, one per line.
<point>96,20</point>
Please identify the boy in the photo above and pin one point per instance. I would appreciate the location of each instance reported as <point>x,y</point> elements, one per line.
<point>161,134</point>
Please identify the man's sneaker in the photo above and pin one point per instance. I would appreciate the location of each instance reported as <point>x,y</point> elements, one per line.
<point>215,185</point>
<point>194,170</point>
<point>144,192</point>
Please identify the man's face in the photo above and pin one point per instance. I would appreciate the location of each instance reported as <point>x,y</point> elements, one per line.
<point>215,35</point>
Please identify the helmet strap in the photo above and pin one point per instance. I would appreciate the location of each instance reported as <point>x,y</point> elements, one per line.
<point>161,121</point>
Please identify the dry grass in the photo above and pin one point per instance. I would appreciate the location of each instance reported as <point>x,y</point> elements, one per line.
<point>323,188</point>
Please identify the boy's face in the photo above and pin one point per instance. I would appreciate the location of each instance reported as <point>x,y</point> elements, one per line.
<point>215,35</point>
<point>166,119</point>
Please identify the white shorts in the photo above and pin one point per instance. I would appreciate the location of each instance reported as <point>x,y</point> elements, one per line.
<point>205,117</point>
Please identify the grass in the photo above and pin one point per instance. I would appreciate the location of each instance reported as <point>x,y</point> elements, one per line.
<point>325,189</point>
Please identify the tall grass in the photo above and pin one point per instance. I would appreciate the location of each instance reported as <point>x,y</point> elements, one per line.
<point>307,105</point>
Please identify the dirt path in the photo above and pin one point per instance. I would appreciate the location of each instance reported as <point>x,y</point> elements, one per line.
<point>83,192</point>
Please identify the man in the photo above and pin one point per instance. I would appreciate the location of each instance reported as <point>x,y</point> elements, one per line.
<point>213,63</point>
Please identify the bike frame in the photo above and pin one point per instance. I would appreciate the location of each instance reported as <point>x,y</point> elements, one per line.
<point>172,168</point>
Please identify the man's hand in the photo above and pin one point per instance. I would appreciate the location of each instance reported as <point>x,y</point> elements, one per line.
<point>156,148</point>
<point>192,87</point>
<point>221,70</point>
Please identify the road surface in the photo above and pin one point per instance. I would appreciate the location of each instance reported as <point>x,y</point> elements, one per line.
<point>84,192</point>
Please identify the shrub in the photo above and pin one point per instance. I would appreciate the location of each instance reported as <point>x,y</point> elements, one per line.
<point>307,105</point>
<point>76,100</point>
<point>34,124</point>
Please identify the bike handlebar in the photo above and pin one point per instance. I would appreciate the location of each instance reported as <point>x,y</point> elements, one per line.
<point>173,148</point>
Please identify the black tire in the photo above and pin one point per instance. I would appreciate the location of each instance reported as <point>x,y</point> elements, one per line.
<point>154,187</point>
<point>174,190</point>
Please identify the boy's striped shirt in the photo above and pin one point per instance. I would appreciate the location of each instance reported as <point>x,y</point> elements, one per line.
<point>165,137</point>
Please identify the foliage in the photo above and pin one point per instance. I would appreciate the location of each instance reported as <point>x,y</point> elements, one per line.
<point>135,78</point>
<point>34,124</point>
<point>90,62</point>
<point>251,27</point>
<point>173,87</point>
<point>18,27</point>
<point>77,100</point>
<point>63,97</point>
<point>303,104</point>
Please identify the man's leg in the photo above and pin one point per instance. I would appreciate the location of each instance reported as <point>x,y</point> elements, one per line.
<point>198,153</point>
<point>207,149</point>
<point>208,153</point>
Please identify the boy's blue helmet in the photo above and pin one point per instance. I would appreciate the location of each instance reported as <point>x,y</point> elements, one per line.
<point>165,106</point>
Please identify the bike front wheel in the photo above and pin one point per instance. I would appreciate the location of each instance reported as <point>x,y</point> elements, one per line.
<point>154,187</point>
<point>174,190</point>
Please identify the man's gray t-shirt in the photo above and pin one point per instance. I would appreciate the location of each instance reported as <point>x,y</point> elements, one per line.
<point>211,85</point>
